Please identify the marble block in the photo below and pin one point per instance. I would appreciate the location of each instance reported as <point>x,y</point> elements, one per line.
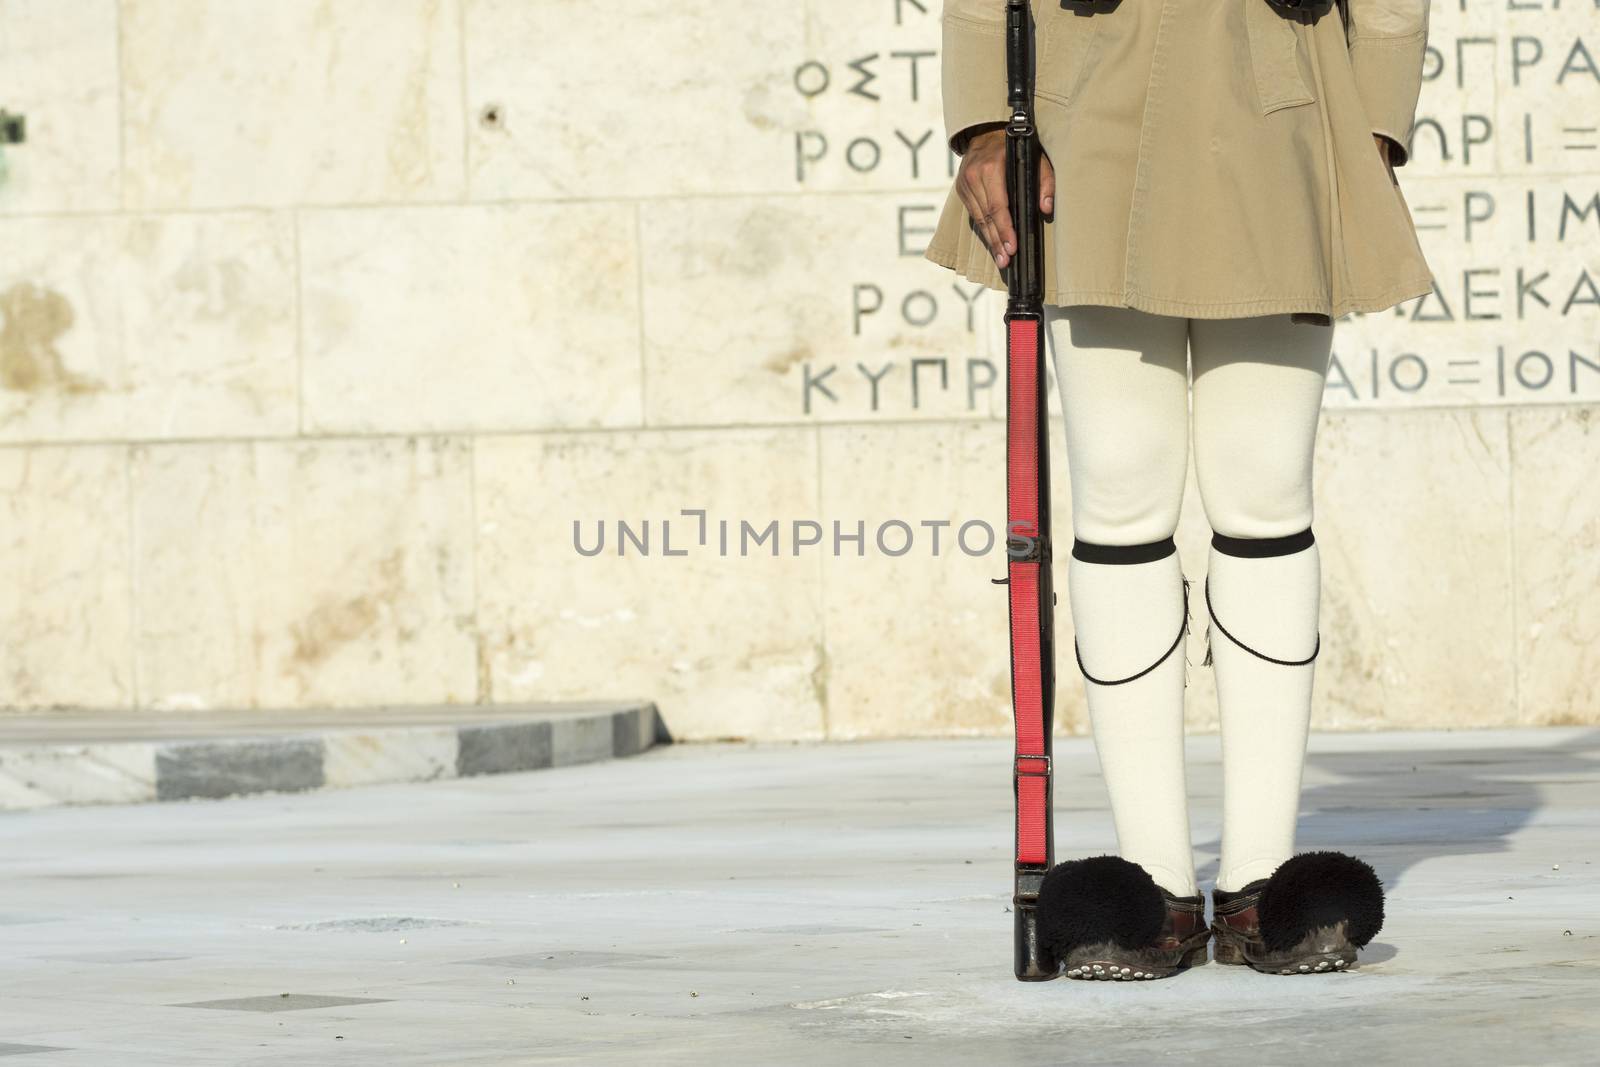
<point>419,754</point>
<point>1411,519</point>
<point>76,774</point>
<point>66,576</point>
<point>217,769</point>
<point>239,104</point>
<point>916,641</point>
<point>471,318</point>
<point>315,573</point>
<point>503,748</point>
<point>725,644</point>
<point>582,740</point>
<point>147,327</point>
<point>1555,516</point>
<point>58,69</point>
<point>807,309</point>
<point>696,97</point>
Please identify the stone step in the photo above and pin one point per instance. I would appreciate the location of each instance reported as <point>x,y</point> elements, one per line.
<point>68,757</point>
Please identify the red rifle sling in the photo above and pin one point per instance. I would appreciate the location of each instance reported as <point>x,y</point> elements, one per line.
<point>1023,492</point>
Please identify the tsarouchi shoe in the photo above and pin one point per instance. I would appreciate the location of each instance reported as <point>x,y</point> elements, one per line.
<point>1105,918</point>
<point>1309,917</point>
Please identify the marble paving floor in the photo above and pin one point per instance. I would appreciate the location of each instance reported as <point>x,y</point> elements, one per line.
<point>778,904</point>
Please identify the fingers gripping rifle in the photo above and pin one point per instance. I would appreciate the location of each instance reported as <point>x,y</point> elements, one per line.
<point>1030,594</point>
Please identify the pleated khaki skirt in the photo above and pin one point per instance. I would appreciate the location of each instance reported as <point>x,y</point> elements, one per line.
<point>1213,158</point>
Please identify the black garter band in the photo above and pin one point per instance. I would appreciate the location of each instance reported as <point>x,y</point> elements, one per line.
<point>1148,552</point>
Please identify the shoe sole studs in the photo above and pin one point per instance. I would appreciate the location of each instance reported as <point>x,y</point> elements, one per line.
<point>1111,972</point>
<point>1322,966</point>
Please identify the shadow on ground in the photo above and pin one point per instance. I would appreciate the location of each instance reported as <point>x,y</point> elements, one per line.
<point>1434,803</point>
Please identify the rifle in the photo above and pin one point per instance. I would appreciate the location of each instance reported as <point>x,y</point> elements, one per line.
<point>1028,583</point>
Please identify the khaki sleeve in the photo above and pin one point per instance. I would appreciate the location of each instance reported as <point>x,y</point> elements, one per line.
<point>972,68</point>
<point>1388,40</point>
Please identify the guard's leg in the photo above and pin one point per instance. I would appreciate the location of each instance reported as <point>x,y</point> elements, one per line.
<point>1258,385</point>
<point>1124,390</point>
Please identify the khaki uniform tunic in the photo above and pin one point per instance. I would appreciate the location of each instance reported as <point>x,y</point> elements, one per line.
<point>1213,158</point>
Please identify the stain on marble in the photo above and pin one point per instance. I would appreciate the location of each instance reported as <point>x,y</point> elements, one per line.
<point>276,1002</point>
<point>146,327</point>
<point>32,319</point>
<point>347,565</point>
<point>333,624</point>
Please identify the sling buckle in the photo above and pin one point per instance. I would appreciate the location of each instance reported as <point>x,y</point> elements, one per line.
<point>1037,766</point>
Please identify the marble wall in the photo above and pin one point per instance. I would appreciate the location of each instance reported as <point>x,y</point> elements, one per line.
<point>322,325</point>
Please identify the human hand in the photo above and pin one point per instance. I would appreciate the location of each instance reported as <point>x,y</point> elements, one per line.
<point>981,184</point>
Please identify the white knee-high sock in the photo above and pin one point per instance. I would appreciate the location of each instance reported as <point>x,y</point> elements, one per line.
<point>1128,617</point>
<point>1270,603</point>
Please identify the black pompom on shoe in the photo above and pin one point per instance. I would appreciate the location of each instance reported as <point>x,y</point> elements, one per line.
<point>1099,900</point>
<point>1310,916</point>
<point>1321,889</point>
<point>1105,918</point>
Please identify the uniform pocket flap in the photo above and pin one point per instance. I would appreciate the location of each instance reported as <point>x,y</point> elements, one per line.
<point>1275,58</point>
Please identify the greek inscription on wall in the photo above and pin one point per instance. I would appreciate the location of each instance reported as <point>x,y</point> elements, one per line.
<point>1503,185</point>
